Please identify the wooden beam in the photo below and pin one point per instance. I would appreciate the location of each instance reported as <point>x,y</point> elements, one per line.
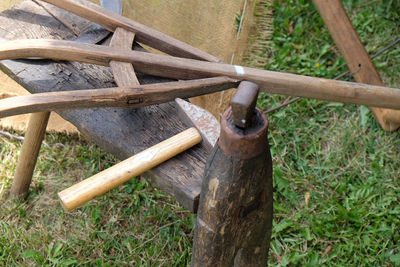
<point>128,97</point>
<point>357,58</point>
<point>146,35</point>
<point>182,68</point>
<point>123,72</point>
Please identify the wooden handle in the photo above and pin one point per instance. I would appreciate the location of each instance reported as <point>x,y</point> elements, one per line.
<point>122,172</point>
<point>183,68</point>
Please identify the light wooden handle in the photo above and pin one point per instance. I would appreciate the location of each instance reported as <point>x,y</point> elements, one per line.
<point>122,172</point>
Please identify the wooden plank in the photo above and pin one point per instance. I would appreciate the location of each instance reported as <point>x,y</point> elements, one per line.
<point>145,35</point>
<point>123,72</point>
<point>182,68</point>
<point>127,97</point>
<point>122,132</point>
<point>68,19</point>
<point>357,58</point>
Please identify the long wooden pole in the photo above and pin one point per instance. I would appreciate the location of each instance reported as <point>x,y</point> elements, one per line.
<point>29,154</point>
<point>182,68</point>
<point>133,96</point>
<point>357,58</point>
<point>146,35</point>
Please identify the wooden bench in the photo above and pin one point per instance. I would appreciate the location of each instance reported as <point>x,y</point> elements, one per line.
<point>122,132</point>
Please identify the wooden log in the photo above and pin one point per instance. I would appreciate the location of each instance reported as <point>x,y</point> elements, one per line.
<point>234,220</point>
<point>29,154</point>
<point>125,97</point>
<point>122,172</point>
<point>357,58</point>
<point>182,68</point>
<point>123,72</point>
<point>144,34</point>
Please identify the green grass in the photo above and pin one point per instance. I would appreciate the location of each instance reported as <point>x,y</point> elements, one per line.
<point>336,173</point>
<point>337,188</point>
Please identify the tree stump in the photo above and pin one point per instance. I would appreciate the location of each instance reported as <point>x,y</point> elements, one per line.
<point>234,219</point>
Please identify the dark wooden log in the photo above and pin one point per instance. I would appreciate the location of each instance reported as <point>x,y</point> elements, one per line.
<point>234,220</point>
<point>122,132</point>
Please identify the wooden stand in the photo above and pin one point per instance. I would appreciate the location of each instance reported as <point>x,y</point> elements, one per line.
<point>234,219</point>
<point>357,58</point>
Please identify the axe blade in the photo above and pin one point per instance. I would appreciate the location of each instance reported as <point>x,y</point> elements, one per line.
<point>204,121</point>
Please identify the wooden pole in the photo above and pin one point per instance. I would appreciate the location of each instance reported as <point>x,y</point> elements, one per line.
<point>234,219</point>
<point>148,36</point>
<point>357,58</point>
<point>132,96</point>
<point>29,153</point>
<point>183,68</point>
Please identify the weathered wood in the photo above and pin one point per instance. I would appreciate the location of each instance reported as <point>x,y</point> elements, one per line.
<point>123,72</point>
<point>68,19</point>
<point>122,132</point>
<point>145,35</point>
<point>122,172</point>
<point>38,121</point>
<point>126,97</point>
<point>234,220</point>
<point>29,154</point>
<point>357,58</point>
<point>182,68</point>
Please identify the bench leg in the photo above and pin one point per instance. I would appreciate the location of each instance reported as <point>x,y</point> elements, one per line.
<point>234,219</point>
<point>29,154</point>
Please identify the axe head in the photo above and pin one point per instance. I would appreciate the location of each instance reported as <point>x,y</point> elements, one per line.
<point>204,121</point>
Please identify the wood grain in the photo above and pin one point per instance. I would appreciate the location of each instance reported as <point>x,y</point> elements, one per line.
<point>29,154</point>
<point>126,97</point>
<point>122,172</point>
<point>123,72</point>
<point>144,34</point>
<point>182,68</point>
<point>357,58</point>
<point>234,221</point>
<point>120,131</point>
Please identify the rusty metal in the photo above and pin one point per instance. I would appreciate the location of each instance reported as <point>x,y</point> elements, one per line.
<point>204,121</point>
<point>243,143</point>
<point>243,103</point>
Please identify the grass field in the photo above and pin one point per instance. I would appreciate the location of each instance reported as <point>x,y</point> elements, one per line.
<point>337,187</point>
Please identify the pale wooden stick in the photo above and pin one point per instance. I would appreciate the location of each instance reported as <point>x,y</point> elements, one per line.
<point>122,172</point>
<point>29,153</point>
